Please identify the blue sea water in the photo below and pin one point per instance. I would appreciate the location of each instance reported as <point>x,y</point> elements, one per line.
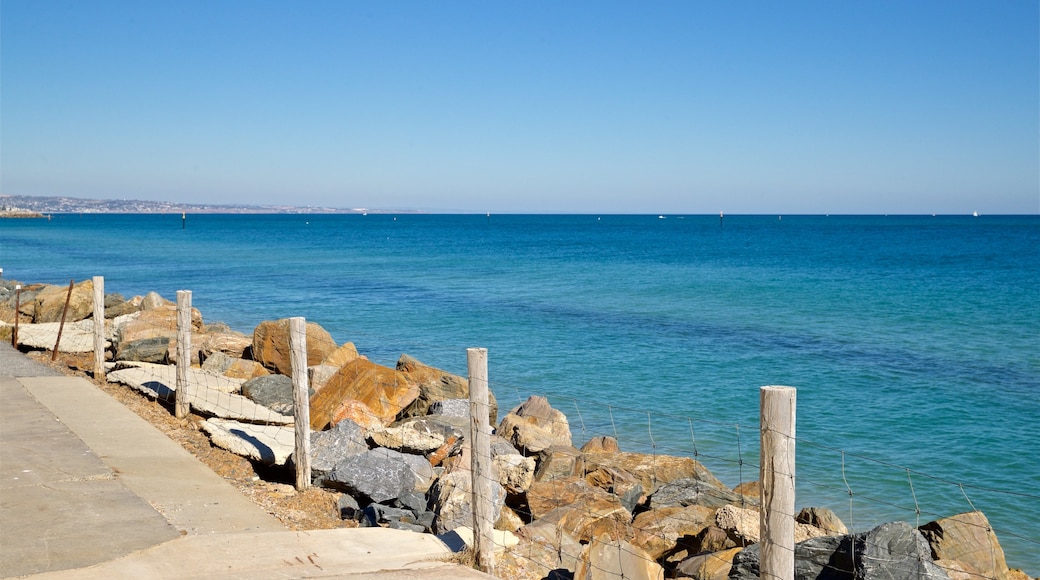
<point>914,341</point>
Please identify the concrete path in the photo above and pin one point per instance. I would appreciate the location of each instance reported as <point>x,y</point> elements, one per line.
<point>90,490</point>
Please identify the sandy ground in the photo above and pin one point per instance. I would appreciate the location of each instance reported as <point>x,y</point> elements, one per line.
<point>271,488</point>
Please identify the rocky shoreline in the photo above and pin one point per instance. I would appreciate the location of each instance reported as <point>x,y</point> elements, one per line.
<point>394,443</point>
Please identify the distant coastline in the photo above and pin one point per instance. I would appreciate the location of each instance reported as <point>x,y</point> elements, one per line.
<point>25,206</point>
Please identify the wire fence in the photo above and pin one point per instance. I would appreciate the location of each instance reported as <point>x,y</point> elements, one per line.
<point>577,486</point>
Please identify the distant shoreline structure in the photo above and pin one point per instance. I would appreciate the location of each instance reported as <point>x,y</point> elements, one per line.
<point>35,206</point>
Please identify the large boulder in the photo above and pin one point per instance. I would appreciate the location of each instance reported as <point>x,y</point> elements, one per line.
<point>219,338</point>
<point>151,350</point>
<point>535,425</point>
<point>328,448</point>
<point>743,525</point>
<point>665,531</point>
<point>651,470</point>
<point>437,385</point>
<point>544,551</point>
<point>579,508</point>
<point>607,558</point>
<point>383,391</point>
<point>968,540</point>
<point>272,391</point>
<point>892,551</point>
<point>379,475</point>
<point>271,345</point>
<point>822,518</point>
<point>452,500</point>
<point>708,566</point>
<point>219,363</point>
<point>49,303</point>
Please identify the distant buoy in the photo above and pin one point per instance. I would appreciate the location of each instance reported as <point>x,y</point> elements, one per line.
<point>184,220</point>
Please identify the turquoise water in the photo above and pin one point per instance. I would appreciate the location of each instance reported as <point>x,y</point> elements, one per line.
<point>914,342</point>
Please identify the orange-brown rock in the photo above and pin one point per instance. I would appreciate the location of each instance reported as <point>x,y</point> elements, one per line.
<point>342,355</point>
<point>357,412</point>
<point>969,540</point>
<point>437,385</point>
<point>271,345</point>
<point>579,508</point>
<point>384,391</point>
<point>710,566</point>
<point>652,471</point>
<point>606,557</point>
<point>601,444</point>
<point>50,302</point>
<point>663,531</point>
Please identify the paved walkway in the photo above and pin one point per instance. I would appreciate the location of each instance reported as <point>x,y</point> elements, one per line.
<point>90,490</point>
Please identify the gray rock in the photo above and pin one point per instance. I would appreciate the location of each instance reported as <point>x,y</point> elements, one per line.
<point>272,391</point>
<point>151,350</point>
<point>381,474</point>
<point>375,514</point>
<point>452,499</point>
<point>333,446</point>
<point>349,509</point>
<point>450,407</point>
<point>689,491</point>
<point>892,551</point>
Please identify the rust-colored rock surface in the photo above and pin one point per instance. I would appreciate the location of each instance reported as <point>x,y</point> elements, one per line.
<point>383,390</point>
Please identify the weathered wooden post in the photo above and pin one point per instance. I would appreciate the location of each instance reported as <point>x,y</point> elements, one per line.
<point>17,314</point>
<point>480,456</point>
<point>99,328</point>
<point>776,476</point>
<point>61,327</point>
<point>181,405</point>
<point>301,402</point>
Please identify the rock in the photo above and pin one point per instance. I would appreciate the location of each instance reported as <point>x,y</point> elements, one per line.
<point>557,461</point>
<point>609,558</point>
<point>271,345</point>
<point>452,500</point>
<point>690,491</point>
<point>450,407</point>
<point>221,364</point>
<point>417,436</point>
<point>620,483</point>
<point>330,447</point>
<point>665,531</point>
<point>743,525</point>
<point>117,309</point>
<point>224,341</point>
<point>602,444</point>
<point>341,356</point>
<point>710,539</point>
<point>652,471</point>
<point>514,471</point>
<point>378,515</point>
<point>824,519</point>
<point>710,566</point>
<point>318,375</point>
<point>160,322</point>
<point>892,551</point>
<point>151,350</point>
<point>76,337</point>
<point>380,474</point>
<point>437,385</point>
<point>50,302</point>
<point>509,520</point>
<point>272,391</point>
<point>349,509</point>
<point>534,426</point>
<point>543,551</point>
<point>358,412</point>
<point>270,444</point>
<point>153,301</point>
<point>579,508</point>
<point>968,539</point>
<point>383,390</point>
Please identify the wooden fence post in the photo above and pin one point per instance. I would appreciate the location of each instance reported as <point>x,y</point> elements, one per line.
<point>301,402</point>
<point>181,404</point>
<point>99,328</point>
<point>17,314</point>
<point>776,478</point>
<point>480,455</point>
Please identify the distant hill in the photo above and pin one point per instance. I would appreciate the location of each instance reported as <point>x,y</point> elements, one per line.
<point>23,205</point>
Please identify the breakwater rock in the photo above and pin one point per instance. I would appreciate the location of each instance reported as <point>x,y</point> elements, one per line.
<point>395,442</point>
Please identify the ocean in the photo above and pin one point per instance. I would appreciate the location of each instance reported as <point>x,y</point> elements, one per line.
<point>913,341</point>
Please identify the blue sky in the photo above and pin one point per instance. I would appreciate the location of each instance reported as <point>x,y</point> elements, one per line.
<point>661,107</point>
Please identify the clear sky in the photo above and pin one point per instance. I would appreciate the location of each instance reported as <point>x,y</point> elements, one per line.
<point>636,107</point>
